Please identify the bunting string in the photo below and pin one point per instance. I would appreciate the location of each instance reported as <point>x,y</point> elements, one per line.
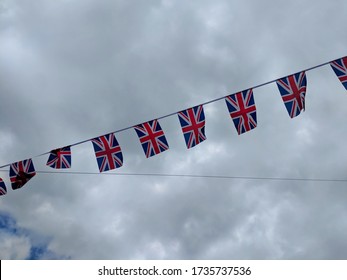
<point>241,107</point>
<point>197,176</point>
<point>172,114</point>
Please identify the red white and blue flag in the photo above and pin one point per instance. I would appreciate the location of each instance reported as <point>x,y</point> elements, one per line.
<point>293,91</point>
<point>108,152</point>
<point>21,172</point>
<point>152,138</point>
<point>193,125</point>
<point>242,110</point>
<point>3,189</point>
<point>60,158</point>
<point>340,68</point>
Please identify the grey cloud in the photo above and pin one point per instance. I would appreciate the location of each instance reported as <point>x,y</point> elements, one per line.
<point>73,71</point>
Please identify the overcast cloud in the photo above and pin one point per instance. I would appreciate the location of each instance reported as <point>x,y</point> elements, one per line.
<point>74,70</point>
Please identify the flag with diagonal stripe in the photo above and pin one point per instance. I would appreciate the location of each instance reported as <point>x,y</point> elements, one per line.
<point>3,189</point>
<point>293,91</point>
<point>21,172</point>
<point>193,125</point>
<point>108,152</point>
<point>152,138</point>
<point>340,68</point>
<point>242,110</point>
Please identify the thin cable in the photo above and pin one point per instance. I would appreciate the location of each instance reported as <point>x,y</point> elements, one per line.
<point>171,114</point>
<point>195,176</point>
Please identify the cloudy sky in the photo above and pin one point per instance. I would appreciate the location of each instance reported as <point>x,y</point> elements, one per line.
<point>74,70</point>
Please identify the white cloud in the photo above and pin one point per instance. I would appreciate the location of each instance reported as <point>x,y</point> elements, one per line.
<point>14,247</point>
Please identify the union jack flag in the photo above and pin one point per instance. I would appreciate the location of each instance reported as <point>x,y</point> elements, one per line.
<point>193,125</point>
<point>3,189</point>
<point>108,152</point>
<point>340,68</point>
<point>60,158</point>
<point>242,110</point>
<point>21,172</point>
<point>152,138</point>
<point>293,90</point>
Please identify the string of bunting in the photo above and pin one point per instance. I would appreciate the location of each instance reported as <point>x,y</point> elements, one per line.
<point>241,107</point>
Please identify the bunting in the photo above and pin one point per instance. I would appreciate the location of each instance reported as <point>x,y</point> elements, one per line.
<point>241,107</point>
<point>340,68</point>
<point>193,125</point>
<point>108,152</point>
<point>60,158</point>
<point>21,172</point>
<point>293,91</point>
<point>3,189</point>
<point>242,110</point>
<point>152,138</point>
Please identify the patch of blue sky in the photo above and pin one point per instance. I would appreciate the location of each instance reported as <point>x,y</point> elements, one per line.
<point>39,244</point>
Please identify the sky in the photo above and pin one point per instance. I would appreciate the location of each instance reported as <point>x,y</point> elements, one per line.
<point>74,70</point>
